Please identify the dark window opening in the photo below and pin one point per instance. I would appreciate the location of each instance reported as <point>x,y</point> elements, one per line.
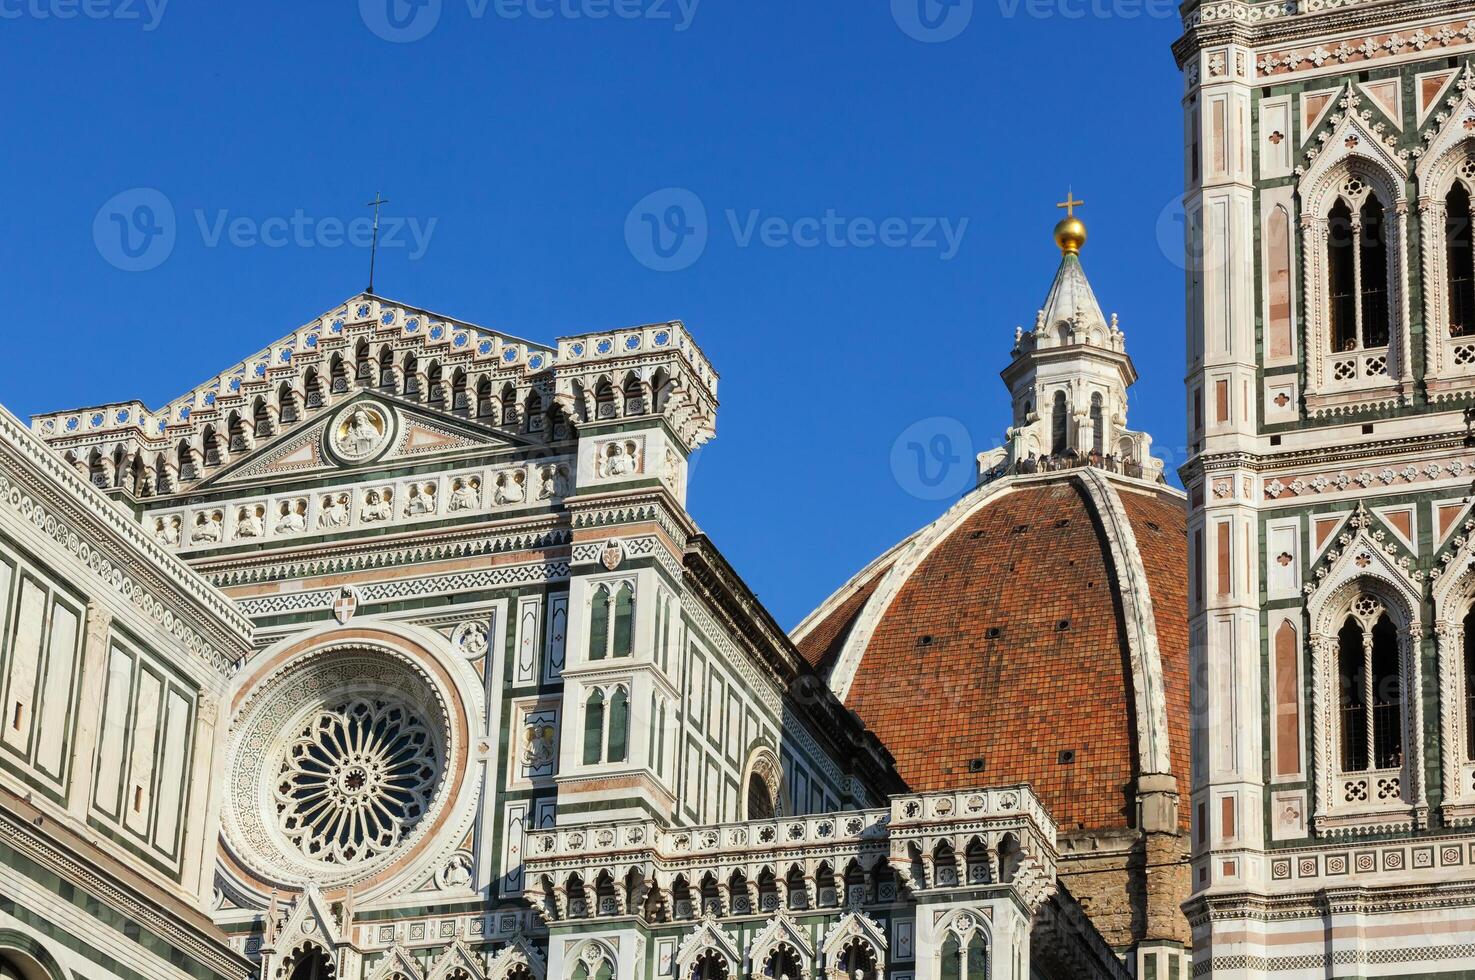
<point>1460,262</point>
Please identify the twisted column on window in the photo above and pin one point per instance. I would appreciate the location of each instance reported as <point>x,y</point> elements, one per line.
<point>1450,646</point>
<point>1431,249</point>
<point>1318,342</point>
<point>1323,649</point>
<point>1414,657</point>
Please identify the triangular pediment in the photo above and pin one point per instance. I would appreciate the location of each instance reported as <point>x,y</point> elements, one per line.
<point>311,920</point>
<point>366,431</point>
<point>456,956</point>
<point>398,965</point>
<point>1356,128</point>
<point>1364,550</point>
<point>517,952</point>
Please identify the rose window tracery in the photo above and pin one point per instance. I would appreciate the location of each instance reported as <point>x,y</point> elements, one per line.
<point>355,780</point>
<point>342,763</point>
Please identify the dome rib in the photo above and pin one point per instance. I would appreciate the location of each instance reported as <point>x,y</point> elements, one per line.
<point>963,648</point>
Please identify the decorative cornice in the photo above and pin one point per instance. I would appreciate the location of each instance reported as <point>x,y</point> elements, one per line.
<point>39,486</point>
<point>86,875</point>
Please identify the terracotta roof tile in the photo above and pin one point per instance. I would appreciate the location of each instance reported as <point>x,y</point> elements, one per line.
<point>1006,645</point>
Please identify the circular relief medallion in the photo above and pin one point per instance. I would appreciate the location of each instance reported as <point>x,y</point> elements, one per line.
<point>360,431</point>
<point>339,765</point>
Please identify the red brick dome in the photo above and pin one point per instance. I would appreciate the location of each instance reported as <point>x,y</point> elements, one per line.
<point>1036,633</point>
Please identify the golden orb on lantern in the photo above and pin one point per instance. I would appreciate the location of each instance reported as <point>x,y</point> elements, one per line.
<point>1070,233</point>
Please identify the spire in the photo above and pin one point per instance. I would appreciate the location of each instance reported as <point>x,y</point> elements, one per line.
<point>1071,298</point>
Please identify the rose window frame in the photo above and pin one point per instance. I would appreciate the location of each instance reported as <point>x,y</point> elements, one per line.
<point>272,719</point>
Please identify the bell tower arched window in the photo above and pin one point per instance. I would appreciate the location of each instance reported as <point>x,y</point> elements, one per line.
<point>1342,277</point>
<point>619,727</point>
<point>1059,422</point>
<point>1098,435</point>
<point>1372,272</point>
<point>1357,274</point>
<point>1459,261</point>
<point>1467,666</point>
<point>593,728</point>
<point>1371,701</point>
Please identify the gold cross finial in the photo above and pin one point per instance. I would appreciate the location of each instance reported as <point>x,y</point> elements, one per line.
<point>1070,204</point>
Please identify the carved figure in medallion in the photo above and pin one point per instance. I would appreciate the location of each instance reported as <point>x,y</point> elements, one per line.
<point>209,527</point>
<point>251,522</point>
<point>335,511</point>
<point>360,433</point>
<point>291,517</point>
<point>465,494</point>
<point>377,507</point>
<point>510,488</point>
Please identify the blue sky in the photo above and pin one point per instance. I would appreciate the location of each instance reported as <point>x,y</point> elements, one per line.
<point>516,139</point>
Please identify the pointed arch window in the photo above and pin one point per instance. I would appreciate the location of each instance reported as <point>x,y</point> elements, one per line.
<point>1058,424</point>
<point>964,959</point>
<point>1342,277</point>
<point>599,623</point>
<point>1098,435</point>
<point>624,620</point>
<point>1459,261</point>
<point>619,727</point>
<point>1371,701</point>
<point>1467,665</point>
<point>760,799</point>
<point>783,964</point>
<point>1373,274</point>
<point>1357,272</point>
<point>612,621</point>
<point>593,728</point>
<point>710,965</point>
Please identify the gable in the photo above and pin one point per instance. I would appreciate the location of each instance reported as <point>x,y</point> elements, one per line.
<point>369,430</point>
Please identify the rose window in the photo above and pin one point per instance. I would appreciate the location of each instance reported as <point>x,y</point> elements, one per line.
<point>341,765</point>
<point>355,780</point>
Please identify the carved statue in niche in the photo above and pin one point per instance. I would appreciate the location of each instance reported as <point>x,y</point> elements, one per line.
<point>465,494</point>
<point>378,506</point>
<point>209,527</point>
<point>620,459</point>
<point>167,530</point>
<point>510,489</point>
<point>537,748</point>
<point>251,521</point>
<point>335,511</point>
<point>422,500</point>
<point>672,475</point>
<point>292,516</point>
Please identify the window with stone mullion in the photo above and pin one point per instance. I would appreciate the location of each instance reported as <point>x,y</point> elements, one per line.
<point>1371,702</point>
<point>1469,676</point>
<point>1459,262</point>
<point>1372,274</point>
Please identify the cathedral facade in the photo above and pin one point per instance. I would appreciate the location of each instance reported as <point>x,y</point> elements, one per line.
<point>391,652</point>
<point>1330,166</point>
